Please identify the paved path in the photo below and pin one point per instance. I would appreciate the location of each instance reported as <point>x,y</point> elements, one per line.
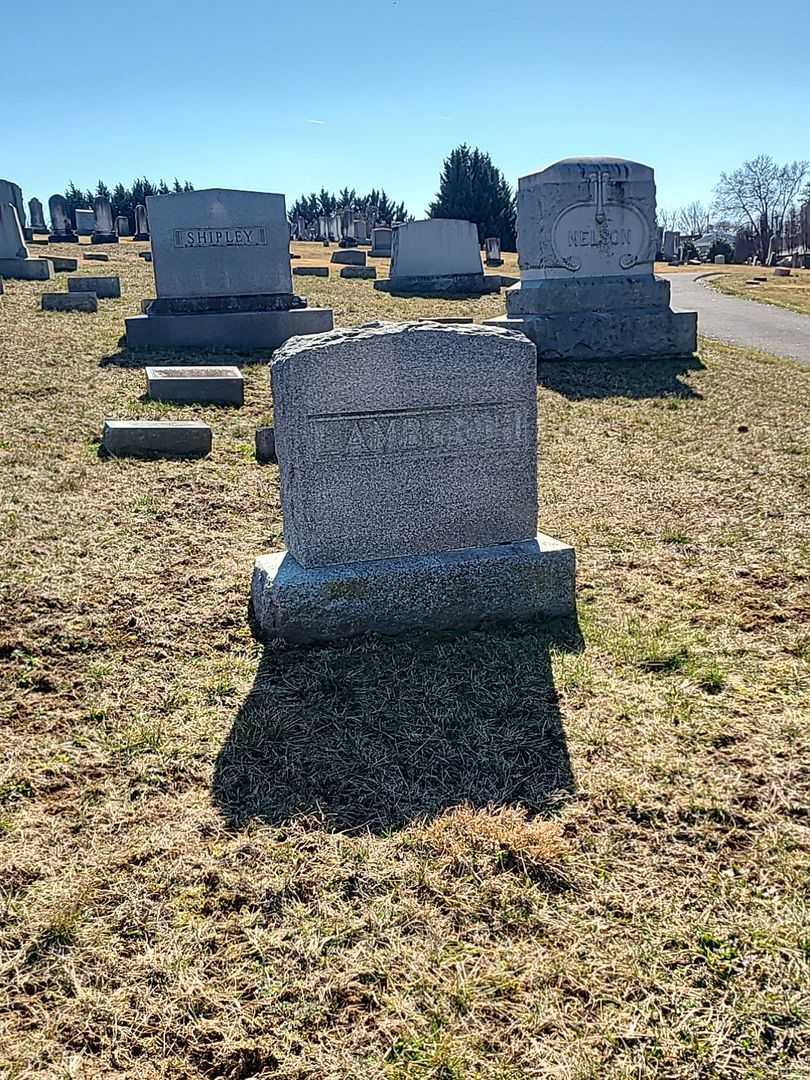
<point>742,322</point>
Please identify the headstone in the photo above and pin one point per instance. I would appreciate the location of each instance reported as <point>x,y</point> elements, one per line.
<point>586,245</point>
<point>141,225</point>
<point>359,272</point>
<point>12,193</point>
<point>311,271</point>
<point>14,258</point>
<point>156,438</point>
<point>439,256</point>
<point>360,232</point>
<point>669,248</point>
<point>659,241</point>
<point>347,223</point>
<point>719,260</point>
<point>105,288</point>
<point>62,231</point>
<point>266,446</point>
<point>203,385</point>
<point>37,216</point>
<point>65,301</point>
<point>301,227</point>
<point>349,257</point>
<point>222,274</point>
<point>104,233</point>
<point>62,265</point>
<point>437,427</point>
<point>380,243</point>
<point>122,225</point>
<point>85,222</point>
<point>781,271</point>
<point>492,251</point>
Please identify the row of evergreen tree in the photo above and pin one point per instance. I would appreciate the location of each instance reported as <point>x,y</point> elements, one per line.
<point>376,204</point>
<point>122,198</point>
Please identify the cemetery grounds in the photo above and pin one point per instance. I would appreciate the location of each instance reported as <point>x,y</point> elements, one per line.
<point>791,292</point>
<point>569,851</point>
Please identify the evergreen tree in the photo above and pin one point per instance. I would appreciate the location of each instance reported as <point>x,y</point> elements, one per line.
<point>473,189</point>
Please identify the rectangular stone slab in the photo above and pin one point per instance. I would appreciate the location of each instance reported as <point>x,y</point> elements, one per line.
<point>454,589</point>
<point>311,271</point>
<point>156,438</point>
<point>105,288</point>
<point>64,301</point>
<point>26,269</point>
<point>241,331</point>
<point>217,385</point>
<point>62,266</point>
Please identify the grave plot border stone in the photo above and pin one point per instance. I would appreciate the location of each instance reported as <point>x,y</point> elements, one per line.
<point>209,384</point>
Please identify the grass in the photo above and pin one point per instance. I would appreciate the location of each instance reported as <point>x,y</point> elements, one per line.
<point>561,851</point>
<point>791,292</point>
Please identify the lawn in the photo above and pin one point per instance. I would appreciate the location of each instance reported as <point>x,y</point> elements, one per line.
<point>791,292</point>
<point>574,851</point>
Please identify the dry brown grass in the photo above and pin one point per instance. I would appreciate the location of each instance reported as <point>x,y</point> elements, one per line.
<point>791,292</point>
<point>501,854</point>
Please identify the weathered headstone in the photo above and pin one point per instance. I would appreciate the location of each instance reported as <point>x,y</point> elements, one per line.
<point>104,232</point>
<point>203,385</point>
<point>435,257</point>
<point>62,231</point>
<point>586,242</point>
<point>122,225</point>
<point>360,231</point>
<point>85,221</point>
<point>14,258</point>
<point>105,288</point>
<point>492,251</point>
<point>37,216</point>
<point>141,224</point>
<point>719,260</point>
<point>669,244</point>
<point>222,274</point>
<point>380,243</point>
<point>65,301</point>
<point>301,227</point>
<point>436,426</point>
<point>12,193</point>
<point>348,257</point>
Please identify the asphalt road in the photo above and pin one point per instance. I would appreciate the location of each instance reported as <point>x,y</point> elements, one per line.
<point>742,322</point>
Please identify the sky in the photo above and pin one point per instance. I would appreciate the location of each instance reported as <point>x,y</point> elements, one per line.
<point>289,98</point>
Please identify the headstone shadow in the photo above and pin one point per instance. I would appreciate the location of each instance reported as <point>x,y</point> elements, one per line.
<point>377,732</point>
<point>581,380</point>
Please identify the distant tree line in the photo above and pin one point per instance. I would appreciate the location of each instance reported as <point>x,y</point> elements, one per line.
<point>123,199</point>
<point>473,189</point>
<point>375,205</point>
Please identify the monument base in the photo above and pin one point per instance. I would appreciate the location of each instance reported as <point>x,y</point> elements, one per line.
<point>602,335</point>
<point>141,236</point>
<point>104,238</point>
<point>440,285</point>
<point>63,238</point>
<point>455,589</point>
<point>26,269</point>
<point>238,330</point>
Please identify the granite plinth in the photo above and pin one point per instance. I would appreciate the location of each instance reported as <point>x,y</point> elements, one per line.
<point>63,301</point>
<point>26,269</point>
<point>240,331</point>
<point>359,272</point>
<point>104,238</point>
<point>156,438</point>
<point>141,236</point>
<point>530,579</point>
<point>571,295</point>
<point>442,285</point>
<point>311,271</point>
<point>63,238</point>
<point>105,288</point>
<point>214,305</point>
<point>196,385</point>
<point>596,335</point>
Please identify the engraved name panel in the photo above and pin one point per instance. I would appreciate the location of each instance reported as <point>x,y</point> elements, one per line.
<point>233,236</point>
<point>433,431</point>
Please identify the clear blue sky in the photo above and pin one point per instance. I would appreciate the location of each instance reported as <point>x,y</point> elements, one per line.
<point>289,97</point>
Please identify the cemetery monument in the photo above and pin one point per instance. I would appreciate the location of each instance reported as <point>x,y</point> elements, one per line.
<point>437,257</point>
<point>62,232</point>
<point>14,258</point>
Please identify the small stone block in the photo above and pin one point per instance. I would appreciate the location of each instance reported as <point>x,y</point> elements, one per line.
<point>96,256</point>
<point>156,438</point>
<point>311,271</point>
<point>146,256</point>
<point>64,301</point>
<point>200,385</point>
<point>105,288</point>
<point>266,446</point>
<point>454,589</point>
<point>781,271</point>
<point>63,266</point>
<point>349,257</point>
<point>359,272</point>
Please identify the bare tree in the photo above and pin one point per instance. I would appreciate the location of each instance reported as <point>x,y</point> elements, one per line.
<point>759,194</point>
<point>666,219</point>
<point>693,219</point>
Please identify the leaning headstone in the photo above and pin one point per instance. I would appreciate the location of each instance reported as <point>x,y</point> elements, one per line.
<point>586,242</point>
<point>141,224</point>
<point>85,221</point>
<point>104,232</point>
<point>14,259</point>
<point>196,385</point>
<point>349,257</point>
<point>12,193</point>
<point>492,251</point>
<point>65,301</point>
<point>105,288</point>
<point>436,426</point>
<point>62,231</point>
<point>439,256</point>
<point>156,438</point>
<point>359,272</point>
<point>122,225</point>
<point>37,216</point>
<point>380,243</point>
<point>222,273</point>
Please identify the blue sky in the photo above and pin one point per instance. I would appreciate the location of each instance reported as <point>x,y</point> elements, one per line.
<point>290,97</point>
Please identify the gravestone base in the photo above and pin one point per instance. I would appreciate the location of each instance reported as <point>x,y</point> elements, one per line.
<point>440,285</point>
<point>238,330</point>
<point>524,580</point>
<point>104,238</point>
<point>601,335</point>
<point>63,238</point>
<point>141,236</point>
<point>26,269</point>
